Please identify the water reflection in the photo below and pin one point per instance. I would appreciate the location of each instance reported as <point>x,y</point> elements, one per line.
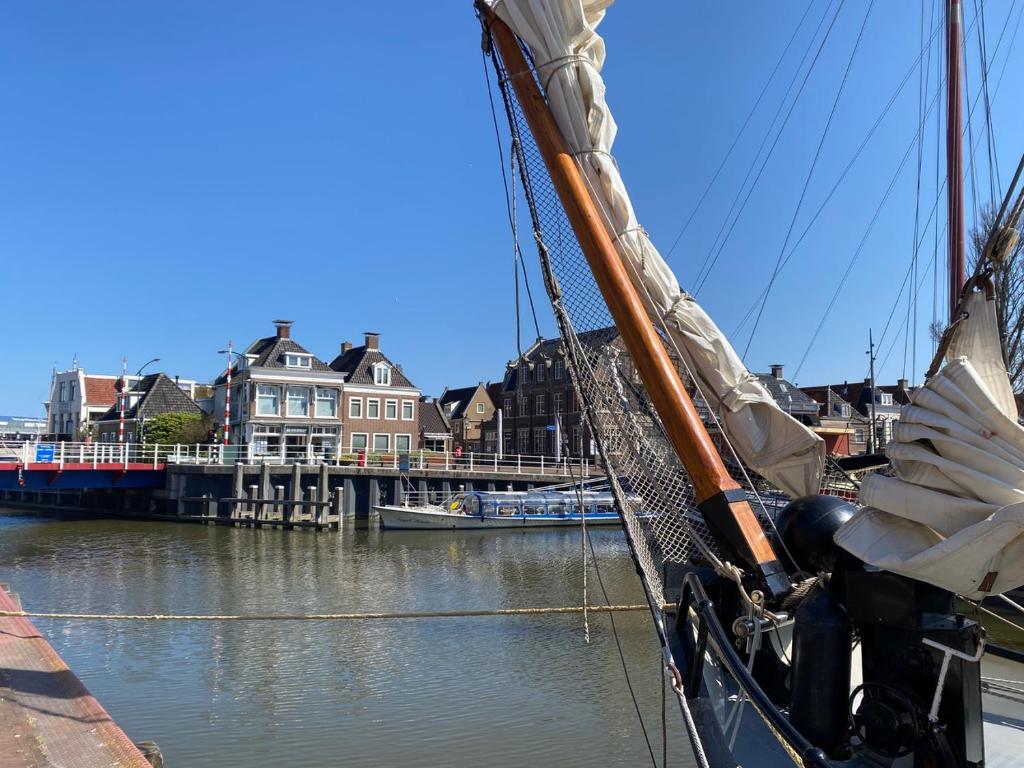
<point>454,692</point>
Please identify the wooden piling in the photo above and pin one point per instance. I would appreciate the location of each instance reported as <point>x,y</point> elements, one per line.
<point>266,492</point>
<point>235,509</point>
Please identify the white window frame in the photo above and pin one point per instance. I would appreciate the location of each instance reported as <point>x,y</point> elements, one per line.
<point>524,405</point>
<point>480,408</point>
<point>557,403</point>
<point>508,406</point>
<point>287,406</point>
<point>542,373</point>
<point>523,440</point>
<point>408,437</point>
<point>353,401</point>
<point>372,402</point>
<point>387,436</point>
<point>331,397</point>
<point>389,404</point>
<point>412,410</point>
<point>379,379</point>
<point>559,370</point>
<point>524,375</point>
<point>277,411</point>
<point>297,360</point>
<point>352,441</point>
<point>540,404</point>
<point>886,398</point>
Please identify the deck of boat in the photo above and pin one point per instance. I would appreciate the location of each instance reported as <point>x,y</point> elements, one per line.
<point>47,717</point>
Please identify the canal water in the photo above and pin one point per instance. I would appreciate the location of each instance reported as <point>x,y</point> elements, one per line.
<point>510,691</point>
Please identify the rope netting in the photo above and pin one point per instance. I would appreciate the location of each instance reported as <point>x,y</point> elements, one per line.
<point>665,525</point>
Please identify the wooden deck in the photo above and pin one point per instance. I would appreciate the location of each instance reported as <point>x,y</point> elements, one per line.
<point>47,717</point>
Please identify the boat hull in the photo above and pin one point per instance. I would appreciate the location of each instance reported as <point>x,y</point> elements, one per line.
<point>429,518</point>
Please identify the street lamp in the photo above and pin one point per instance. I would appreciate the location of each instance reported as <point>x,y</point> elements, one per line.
<point>227,390</point>
<point>124,392</point>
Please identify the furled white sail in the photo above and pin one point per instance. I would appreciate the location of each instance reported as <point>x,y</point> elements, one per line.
<point>954,513</point>
<point>568,55</point>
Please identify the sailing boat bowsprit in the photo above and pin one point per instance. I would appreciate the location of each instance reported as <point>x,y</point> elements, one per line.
<point>783,648</point>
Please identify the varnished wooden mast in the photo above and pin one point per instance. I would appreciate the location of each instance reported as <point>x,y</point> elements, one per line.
<point>721,500</point>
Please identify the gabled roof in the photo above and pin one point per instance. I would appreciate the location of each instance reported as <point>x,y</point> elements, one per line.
<point>858,394</point>
<point>159,395</point>
<point>455,401</point>
<point>432,418</point>
<point>100,390</point>
<point>269,352</point>
<point>790,398</point>
<point>358,363</point>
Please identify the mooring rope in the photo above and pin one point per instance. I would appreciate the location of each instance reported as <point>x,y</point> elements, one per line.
<point>371,616</point>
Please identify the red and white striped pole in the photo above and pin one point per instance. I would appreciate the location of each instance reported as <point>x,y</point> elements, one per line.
<point>227,399</point>
<point>123,397</point>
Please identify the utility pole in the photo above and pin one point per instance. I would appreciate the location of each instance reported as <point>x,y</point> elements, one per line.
<point>872,435</point>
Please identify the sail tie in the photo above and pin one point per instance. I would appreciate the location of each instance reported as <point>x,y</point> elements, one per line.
<point>560,63</point>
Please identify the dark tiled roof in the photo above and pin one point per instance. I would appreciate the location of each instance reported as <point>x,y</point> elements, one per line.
<point>358,363</point>
<point>270,352</point>
<point>455,401</point>
<point>432,418</point>
<point>159,395</point>
<point>858,394</point>
<point>790,398</point>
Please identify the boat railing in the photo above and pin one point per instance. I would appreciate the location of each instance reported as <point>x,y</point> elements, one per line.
<point>701,633</point>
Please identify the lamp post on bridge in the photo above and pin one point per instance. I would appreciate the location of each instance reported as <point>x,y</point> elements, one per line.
<point>227,390</point>
<point>123,393</point>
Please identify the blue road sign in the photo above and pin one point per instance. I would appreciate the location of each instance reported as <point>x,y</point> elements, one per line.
<point>44,453</point>
<point>551,428</point>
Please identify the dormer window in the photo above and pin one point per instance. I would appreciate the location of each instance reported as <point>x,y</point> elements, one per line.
<point>298,361</point>
<point>886,399</point>
<point>382,375</point>
<point>844,411</point>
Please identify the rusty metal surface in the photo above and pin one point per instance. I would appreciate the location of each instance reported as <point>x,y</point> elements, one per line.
<point>47,717</point>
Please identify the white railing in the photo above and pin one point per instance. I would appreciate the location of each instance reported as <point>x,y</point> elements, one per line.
<point>83,455</point>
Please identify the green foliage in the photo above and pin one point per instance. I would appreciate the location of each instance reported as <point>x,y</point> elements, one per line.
<point>168,428</point>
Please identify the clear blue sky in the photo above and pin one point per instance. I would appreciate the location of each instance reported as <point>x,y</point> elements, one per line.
<point>175,174</point>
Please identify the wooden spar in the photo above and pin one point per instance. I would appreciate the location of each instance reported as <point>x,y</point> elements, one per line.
<point>954,159</point>
<point>721,500</point>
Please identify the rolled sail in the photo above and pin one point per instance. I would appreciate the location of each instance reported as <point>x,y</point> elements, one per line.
<point>568,55</point>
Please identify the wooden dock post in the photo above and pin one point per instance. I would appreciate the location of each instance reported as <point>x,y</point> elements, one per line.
<point>266,492</point>
<point>323,494</point>
<point>253,494</point>
<point>373,497</point>
<point>338,504</point>
<point>311,495</point>
<point>235,510</point>
<point>295,510</point>
<point>279,507</point>
<point>349,501</point>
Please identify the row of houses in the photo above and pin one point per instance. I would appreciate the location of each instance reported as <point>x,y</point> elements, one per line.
<point>284,399</point>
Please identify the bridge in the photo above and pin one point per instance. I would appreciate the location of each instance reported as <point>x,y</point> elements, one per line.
<point>55,466</point>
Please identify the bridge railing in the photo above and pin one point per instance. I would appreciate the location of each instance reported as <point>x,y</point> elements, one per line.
<point>100,454</point>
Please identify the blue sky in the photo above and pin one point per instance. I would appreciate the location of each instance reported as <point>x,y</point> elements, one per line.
<point>177,174</point>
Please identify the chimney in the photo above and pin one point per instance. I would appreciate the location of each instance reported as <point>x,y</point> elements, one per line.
<point>284,328</point>
<point>867,382</point>
<point>372,339</point>
<point>903,384</point>
<point>777,371</point>
<point>345,346</point>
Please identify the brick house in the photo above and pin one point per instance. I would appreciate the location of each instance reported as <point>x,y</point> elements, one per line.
<point>147,397</point>
<point>284,399</point>
<point>467,410</point>
<point>380,406</point>
<point>841,426</point>
<point>888,400</point>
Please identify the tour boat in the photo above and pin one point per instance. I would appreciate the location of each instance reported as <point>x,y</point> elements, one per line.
<point>490,509</point>
<point>841,633</point>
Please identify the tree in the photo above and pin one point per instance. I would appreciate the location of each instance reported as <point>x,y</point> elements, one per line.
<point>1008,278</point>
<point>170,428</point>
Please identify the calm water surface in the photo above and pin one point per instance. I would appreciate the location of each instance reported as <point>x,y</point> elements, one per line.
<point>445,692</point>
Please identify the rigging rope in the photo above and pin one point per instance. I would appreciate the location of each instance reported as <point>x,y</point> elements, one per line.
<point>810,174</point>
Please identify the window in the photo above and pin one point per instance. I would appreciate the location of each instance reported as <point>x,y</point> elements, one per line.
<point>372,408</point>
<point>490,442</point>
<point>355,407</point>
<point>886,399</point>
<point>408,412</point>
<point>298,401</point>
<point>577,441</point>
<point>507,406</point>
<point>382,375</point>
<point>506,441</point>
<point>63,393</point>
<point>540,436</point>
<point>542,371</point>
<point>557,403</point>
<point>480,408</point>
<point>559,370</point>
<point>390,410</point>
<point>524,405</point>
<point>858,436</point>
<point>523,437</point>
<point>268,400</point>
<point>381,442</point>
<point>844,411</point>
<point>298,361</point>
<point>71,391</point>
<point>359,441</point>
<point>524,374</point>
<point>403,443</point>
<point>327,403</point>
<point>540,404</point>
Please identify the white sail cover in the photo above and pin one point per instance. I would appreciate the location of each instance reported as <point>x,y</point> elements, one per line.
<point>568,55</point>
<point>954,513</point>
